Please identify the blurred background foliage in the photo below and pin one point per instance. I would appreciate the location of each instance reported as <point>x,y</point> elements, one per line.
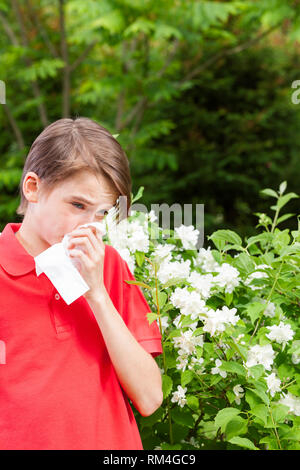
<point>198,91</point>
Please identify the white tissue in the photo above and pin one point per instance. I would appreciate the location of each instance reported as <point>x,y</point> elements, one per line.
<point>61,270</point>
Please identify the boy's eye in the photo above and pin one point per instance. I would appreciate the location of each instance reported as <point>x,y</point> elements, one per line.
<point>76,204</point>
<point>101,213</point>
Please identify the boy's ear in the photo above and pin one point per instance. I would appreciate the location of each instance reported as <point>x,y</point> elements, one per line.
<point>31,186</point>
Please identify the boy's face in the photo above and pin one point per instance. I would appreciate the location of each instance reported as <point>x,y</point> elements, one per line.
<point>61,211</point>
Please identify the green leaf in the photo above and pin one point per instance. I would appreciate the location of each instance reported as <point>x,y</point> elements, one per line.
<point>270,441</point>
<point>235,427</point>
<point>269,192</point>
<point>186,377</point>
<point>183,417</point>
<point>167,384</point>
<point>112,21</point>
<point>261,394</point>
<point>254,310</point>
<point>257,371</point>
<point>261,412</point>
<point>160,297</point>
<point>281,239</point>
<point>244,264</point>
<point>243,442</point>
<point>224,416</point>
<point>233,367</point>
<point>284,217</point>
<point>192,402</point>
<point>283,200</point>
<point>42,69</point>
<point>167,446</point>
<point>138,283</point>
<point>252,399</point>
<point>140,25</point>
<point>151,317</point>
<point>262,238</point>
<point>220,237</point>
<point>149,421</point>
<point>228,298</point>
<point>138,195</point>
<point>279,412</point>
<point>140,257</point>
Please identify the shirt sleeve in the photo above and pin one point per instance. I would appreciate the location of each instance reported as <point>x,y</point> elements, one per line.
<point>135,309</point>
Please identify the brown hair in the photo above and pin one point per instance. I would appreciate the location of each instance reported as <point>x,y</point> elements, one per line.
<point>69,145</point>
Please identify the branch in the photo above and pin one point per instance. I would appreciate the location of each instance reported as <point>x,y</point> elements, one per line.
<point>6,26</point>
<point>169,59</point>
<point>140,107</point>
<point>233,50</point>
<point>36,90</point>
<point>126,67</point>
<point>135,110</point>
<point>120,107</point>
<point>65,57</point>
<point>15,127</point>
<point>39,26</point>
<point>83,55</point>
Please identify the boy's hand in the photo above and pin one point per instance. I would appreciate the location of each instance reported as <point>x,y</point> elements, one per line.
<point>88,247</point>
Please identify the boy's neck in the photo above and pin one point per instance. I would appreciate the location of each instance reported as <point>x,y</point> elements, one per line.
<point>30,241</point>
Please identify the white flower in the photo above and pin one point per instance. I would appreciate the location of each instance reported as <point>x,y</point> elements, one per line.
<point>256,275</point>
<point>229,315</point>
<point>179,396</point>
<point>177,323</point>
<point>216,370</point>
<point>217,320</point>
<point>182,362</point>
<point>188,236</point>
<point>175,271</point>
<point>203,283</point>
<point>187,342</point>
<point>164,322</point>
<point>214,322</point>
<point>295,358</point>
<point>162,252</point>
<point>126,255</point>
<point>273,384</point>
<point>261,355</point>
<point>270,308</point>
<point>151,216</point>
<point>118,234</point>
<point>138,239</point>
<point>188,302</point>
<point>130,235</point>
<point>228,277</point>
<point>194,443</point>
<point>239,393</point>
<point>206,260</point>
<point>280,333</point>
<point>292,402</point>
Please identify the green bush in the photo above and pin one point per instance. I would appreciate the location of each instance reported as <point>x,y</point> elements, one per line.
<point>228,315</point>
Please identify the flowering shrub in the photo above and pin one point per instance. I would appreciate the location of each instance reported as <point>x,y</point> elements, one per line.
<point>229,316</point>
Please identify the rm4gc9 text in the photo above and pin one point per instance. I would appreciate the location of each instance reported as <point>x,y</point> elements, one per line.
<point>185,459</point>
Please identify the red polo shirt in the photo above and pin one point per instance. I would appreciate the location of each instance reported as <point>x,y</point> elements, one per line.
<point>58,387</point>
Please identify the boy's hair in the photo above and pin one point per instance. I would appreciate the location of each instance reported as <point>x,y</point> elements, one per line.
<point>69,145</point>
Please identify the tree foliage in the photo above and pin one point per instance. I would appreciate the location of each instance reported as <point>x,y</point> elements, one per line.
<point>198,91</point>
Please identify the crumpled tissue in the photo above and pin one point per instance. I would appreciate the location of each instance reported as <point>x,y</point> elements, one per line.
<point>61,270</point>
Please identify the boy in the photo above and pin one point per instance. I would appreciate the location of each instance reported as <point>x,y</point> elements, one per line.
<point>70,368</point>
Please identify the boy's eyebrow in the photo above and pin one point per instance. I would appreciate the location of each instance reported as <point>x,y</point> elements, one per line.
<point>88,202</point>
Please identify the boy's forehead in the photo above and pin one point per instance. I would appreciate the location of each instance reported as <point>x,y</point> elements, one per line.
<point>94,190</point>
